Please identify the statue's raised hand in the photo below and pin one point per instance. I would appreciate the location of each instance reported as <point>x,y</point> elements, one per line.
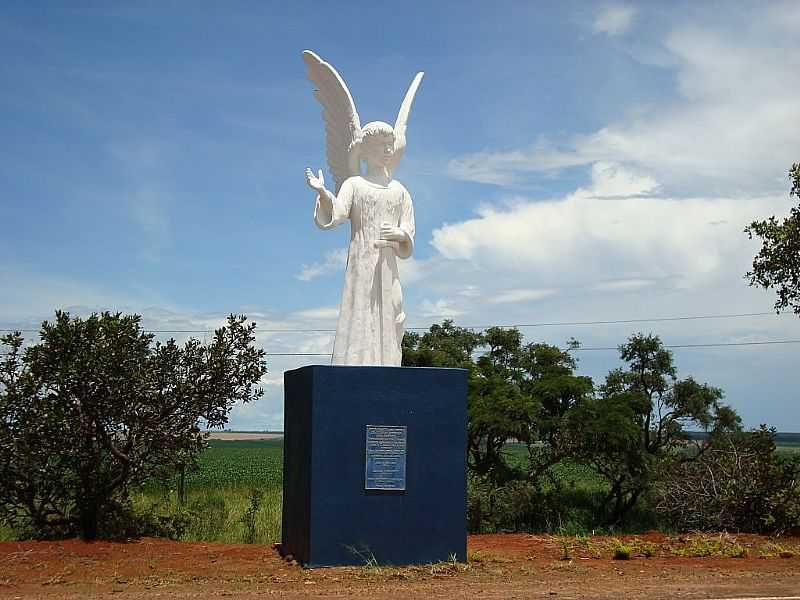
<point>315,183</point>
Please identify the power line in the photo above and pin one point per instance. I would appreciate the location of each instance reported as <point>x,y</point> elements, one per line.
<point>508,326</point>
<point>709,345</point>
<point>555,323</point>
<point>299,354</point>
<point>144,330</point>
<point>704,345</point>
<point>624,321</point>
<point>615,348</point>
<point>580,349</point>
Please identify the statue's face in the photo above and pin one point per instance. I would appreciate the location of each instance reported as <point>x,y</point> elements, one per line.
<point>379,149</point>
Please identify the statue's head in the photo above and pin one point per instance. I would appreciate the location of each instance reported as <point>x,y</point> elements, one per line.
<point>377,145</point>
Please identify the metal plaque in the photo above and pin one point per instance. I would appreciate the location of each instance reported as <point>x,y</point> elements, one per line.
<point>386,457</point>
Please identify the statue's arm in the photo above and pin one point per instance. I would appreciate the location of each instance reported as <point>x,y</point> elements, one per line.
<point>329,210</point>
<point>408,227</point>
<point>401,238</point>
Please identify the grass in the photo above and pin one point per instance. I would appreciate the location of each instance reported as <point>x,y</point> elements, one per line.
<point>699,545</point>
<point>723,546</point>
<point>219,504</point>
<point>7,534</point>
<point>787,449</point>
<point>219,496</point>
<point>221,515</point>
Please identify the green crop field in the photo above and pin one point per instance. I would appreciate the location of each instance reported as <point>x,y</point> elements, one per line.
<point>568,473</point>
<point>239,464</point>
<point>235,479</point>
<point>219,493</point>
<point>787,448</point>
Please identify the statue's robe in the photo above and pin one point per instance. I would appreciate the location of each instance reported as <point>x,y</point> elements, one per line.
<point>371,318</point>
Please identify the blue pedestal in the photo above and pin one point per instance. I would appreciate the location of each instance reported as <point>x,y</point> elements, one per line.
<point>329,517</point>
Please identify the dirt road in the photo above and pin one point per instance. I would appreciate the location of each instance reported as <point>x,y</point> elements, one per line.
<point>500,567</point>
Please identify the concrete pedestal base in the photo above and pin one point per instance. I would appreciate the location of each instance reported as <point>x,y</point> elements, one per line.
<point>329,518</point>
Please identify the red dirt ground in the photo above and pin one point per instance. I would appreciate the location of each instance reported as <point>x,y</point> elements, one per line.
<point>501,566</point>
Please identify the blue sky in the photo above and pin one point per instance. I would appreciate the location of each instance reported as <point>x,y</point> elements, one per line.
<point>568,161</point>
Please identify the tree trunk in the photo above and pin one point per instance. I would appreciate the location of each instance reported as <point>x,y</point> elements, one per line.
<point>182,485</point>
<point>88,517</point>
<point>622,506</point>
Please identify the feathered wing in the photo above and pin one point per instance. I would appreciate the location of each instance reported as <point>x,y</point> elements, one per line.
<point>342,124</point>
<point>402,119</point>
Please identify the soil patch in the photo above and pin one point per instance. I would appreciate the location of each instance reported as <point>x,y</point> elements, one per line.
<point>657,567</point>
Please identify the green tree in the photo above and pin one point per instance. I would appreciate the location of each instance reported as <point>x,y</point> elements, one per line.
<point>499,411</point>
<point>517,391</point>
<point>548,377</point>
<point>777,264</point>
<point>95,408</point>
<point>637,422</point>
<point>445,345</point>
<point>525,392</point>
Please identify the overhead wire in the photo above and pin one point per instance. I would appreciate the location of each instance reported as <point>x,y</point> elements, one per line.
<point>582,348</point>
<point>506,326</point>
<point>522,325</point>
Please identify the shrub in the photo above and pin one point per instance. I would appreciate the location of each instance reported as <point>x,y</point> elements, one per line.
<point>249,517</point>
<point>96,408</point>
<point>739,484</point>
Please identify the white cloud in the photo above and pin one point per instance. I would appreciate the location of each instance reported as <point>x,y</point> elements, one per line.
<point>320,313</point>
<point>509,168</point>
<point>335,261</point>
<point>440,309</point>
<point>727,130</point>
<point>265,414</point>
<point>584,239</point>
<point>412,270</point>
<point>521,295</point>
<point>29,297</point>
<point>611,180</point>
<point>317,344</point>
<point>469,291</point>
<point>622,285</point>
<point>614,20</point>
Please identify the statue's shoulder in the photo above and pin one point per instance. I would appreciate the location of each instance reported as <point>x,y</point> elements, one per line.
<point>350,181</point>
<point>394,184</point>
<point>356,182</point>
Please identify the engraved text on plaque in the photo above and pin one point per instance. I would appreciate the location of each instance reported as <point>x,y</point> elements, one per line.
<point>386,458</point>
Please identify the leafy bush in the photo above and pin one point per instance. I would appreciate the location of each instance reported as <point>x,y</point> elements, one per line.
<point>521,506</point>
<point>738,484</point>
<point>621,550</point>
<point>95,409</point>
<point>249,517</point>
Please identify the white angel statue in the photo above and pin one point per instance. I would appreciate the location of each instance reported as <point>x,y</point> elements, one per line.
<point>371,317</point>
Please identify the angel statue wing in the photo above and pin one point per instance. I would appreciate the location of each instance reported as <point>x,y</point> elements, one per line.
<point>402,119</point>
<point>342,124</point>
